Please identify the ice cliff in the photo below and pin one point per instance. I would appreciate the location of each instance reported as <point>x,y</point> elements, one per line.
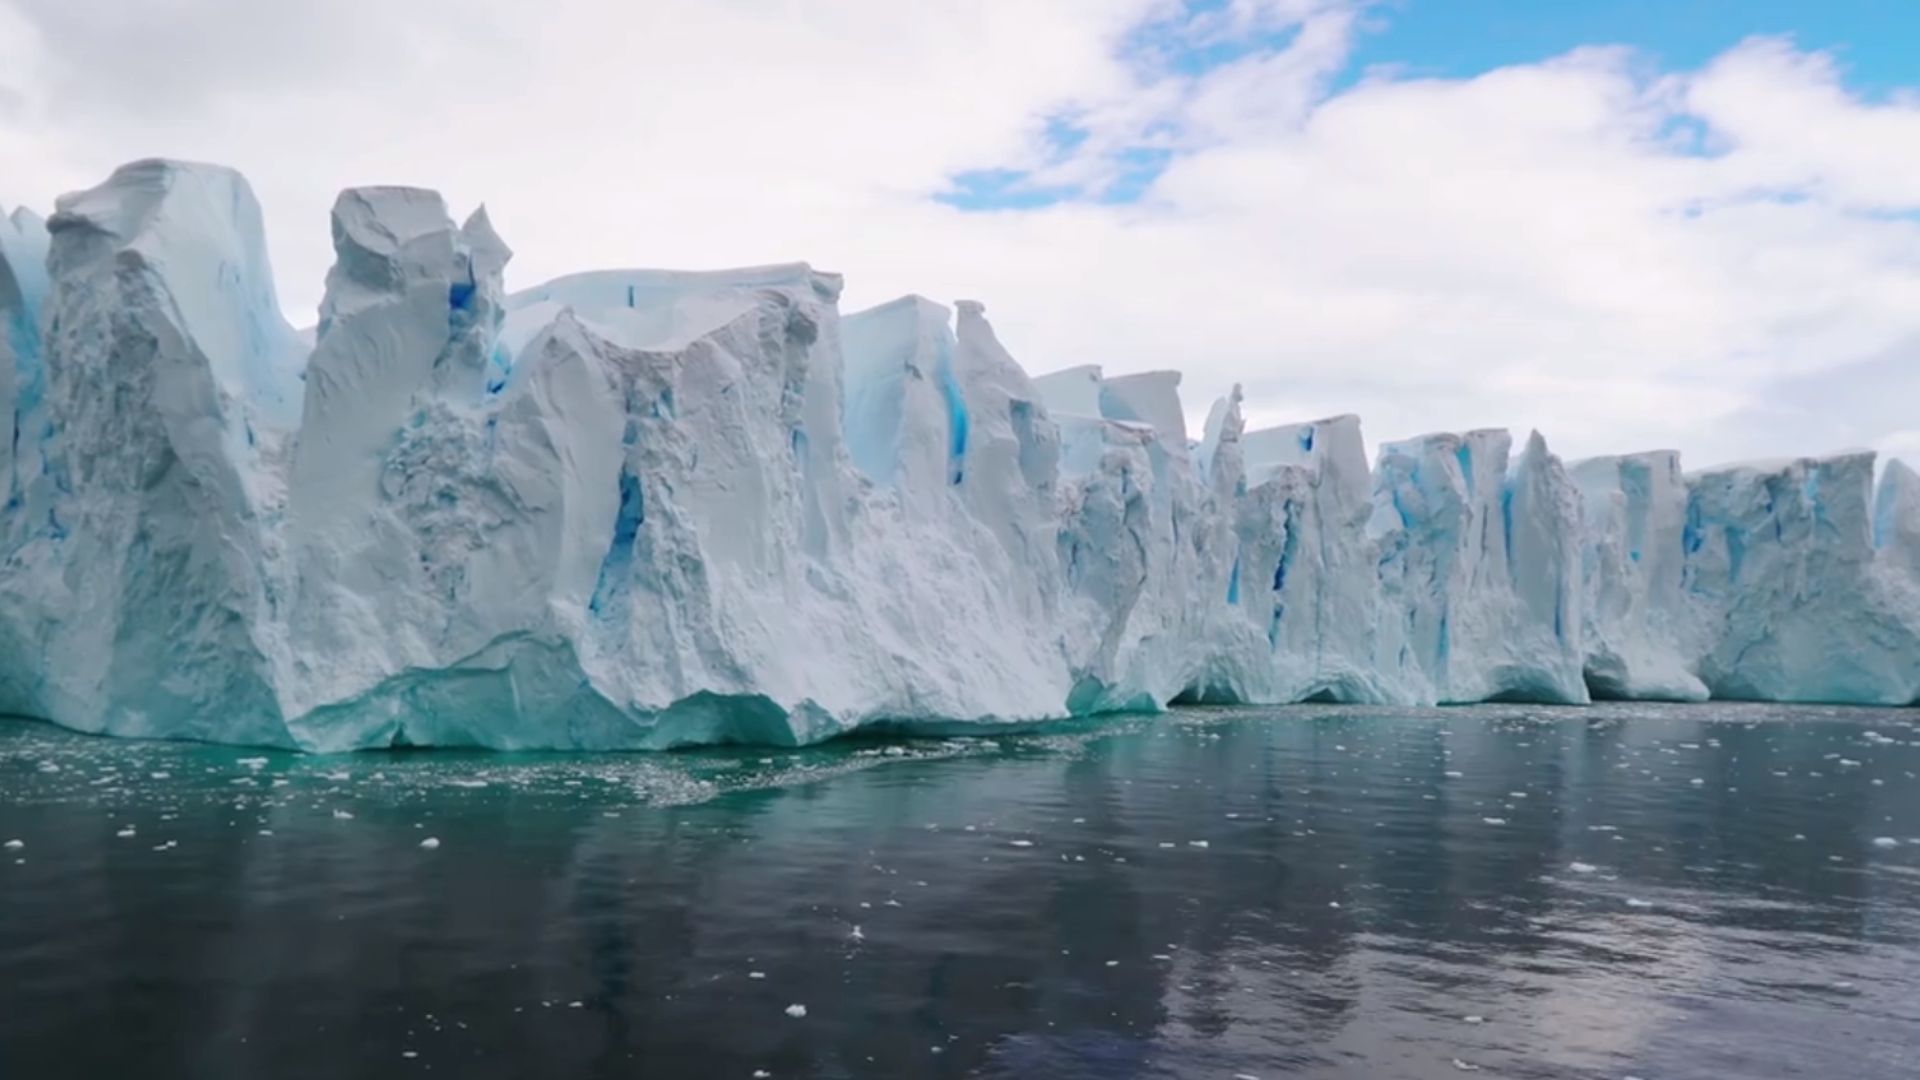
<point>646,509</point>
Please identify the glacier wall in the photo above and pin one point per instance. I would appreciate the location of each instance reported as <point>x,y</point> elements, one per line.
<point>647,509</point>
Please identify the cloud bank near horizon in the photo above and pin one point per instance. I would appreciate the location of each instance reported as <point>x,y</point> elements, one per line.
<point>1725,259</point>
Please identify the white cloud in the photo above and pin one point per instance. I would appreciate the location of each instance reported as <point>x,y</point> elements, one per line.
<point>1545,245</point>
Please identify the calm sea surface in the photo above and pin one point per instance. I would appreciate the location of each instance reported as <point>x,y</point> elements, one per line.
<point>1636,891</point>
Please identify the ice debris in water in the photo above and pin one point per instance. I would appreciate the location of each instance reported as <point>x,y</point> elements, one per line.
<point>797,1010</point>
<point>608,511</point>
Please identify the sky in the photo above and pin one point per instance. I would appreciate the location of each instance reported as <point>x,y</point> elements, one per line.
<point>1631,224</point>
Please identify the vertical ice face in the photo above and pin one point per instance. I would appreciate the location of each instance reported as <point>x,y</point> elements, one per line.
<point>1896,521</point>
<point>647,508</point>
<point>1790,601</point>
<point>387,447</point>
<point>906,420</point>
<point>23,291</point>
<point>1638,630</point>
<point>144,594</point>
<point>1071,391</point>
<point>1542,525</point>
<point>1011,458</point>
<point>1473,625</point>
<point>1306,569</point>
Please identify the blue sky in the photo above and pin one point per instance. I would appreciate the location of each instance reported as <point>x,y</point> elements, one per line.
<point>1876,42</point>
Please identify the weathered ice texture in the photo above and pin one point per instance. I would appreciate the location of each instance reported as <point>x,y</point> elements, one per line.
<point>646,509</point>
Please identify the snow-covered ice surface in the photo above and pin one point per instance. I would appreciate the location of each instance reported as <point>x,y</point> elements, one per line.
<point>649,509</point>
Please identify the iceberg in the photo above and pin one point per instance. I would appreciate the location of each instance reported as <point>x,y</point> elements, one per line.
<point>647,509</point>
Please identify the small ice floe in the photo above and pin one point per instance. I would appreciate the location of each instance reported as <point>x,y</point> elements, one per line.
<point>160,776</point>
<point>1636,902</point>
<point>15,845</point>
<point>1582,867</point>
<point>252,763</point>
<point>1474,1019</point>
<point>343,815</point>
<point>1197,843</point>
<point>761,1074</point>
<point>1113,963</point>
<point>756,974</point>
<point>1885,842</point>
<point>797,1010</point>
<point>856,935</point>
<point>1021,843</point>
<point>124,833</point>
<point>1494,820</point>
<point>430,843</point>
<point>1464,1066</point>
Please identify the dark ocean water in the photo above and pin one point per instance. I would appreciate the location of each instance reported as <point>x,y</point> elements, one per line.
<point>1635,891</point>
